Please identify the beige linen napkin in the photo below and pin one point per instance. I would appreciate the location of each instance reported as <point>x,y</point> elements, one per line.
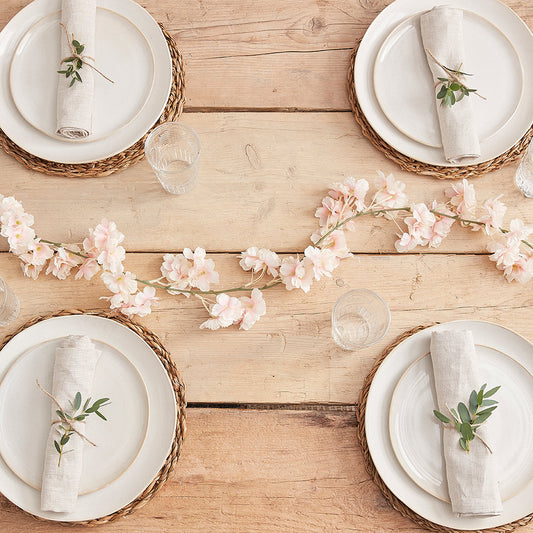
<point>75,104</point>
<point>472,480</point>
<point>74,367</point>
<point>442,35</point>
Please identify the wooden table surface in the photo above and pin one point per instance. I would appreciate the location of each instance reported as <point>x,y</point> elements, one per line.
<point>271,443</point>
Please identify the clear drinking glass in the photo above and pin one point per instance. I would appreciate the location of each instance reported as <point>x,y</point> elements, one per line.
<point>524,173</point>
<point>9,304</point>
<point>359,318</point>
<point>173,150</point>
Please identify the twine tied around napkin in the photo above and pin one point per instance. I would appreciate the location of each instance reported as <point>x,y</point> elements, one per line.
<point>472,478</point>
<point>442,34</point>
<point>74,369</point>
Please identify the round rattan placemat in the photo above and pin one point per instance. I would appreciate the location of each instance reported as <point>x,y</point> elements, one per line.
<point>124,159</point>
<point>412,165</point>
<point>179,392</point>
<point>360,413</point>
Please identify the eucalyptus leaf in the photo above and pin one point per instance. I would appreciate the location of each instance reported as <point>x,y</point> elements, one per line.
<point>486,403</point>
<point>491,392</point>
<point>472,402</point>
<point>440,416</point>
<point>463,413</point>
<point>77,401</point>
<point>463,444</point>
<point>56,444</point>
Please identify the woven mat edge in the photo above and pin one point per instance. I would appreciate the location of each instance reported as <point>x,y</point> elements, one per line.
<point>179,392</point>
<point>397,504</point>
<point>412,165</point>
<point>122,160</point>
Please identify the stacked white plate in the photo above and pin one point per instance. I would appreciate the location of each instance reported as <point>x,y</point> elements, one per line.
<point>396,92</point>
<point>405,439</point>
<point>130,48</point>
<point>132,445</point>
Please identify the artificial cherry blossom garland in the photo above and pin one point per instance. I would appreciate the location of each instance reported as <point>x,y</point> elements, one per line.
<point>192,273</point>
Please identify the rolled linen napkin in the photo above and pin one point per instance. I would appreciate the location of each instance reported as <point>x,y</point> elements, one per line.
<point>472,481</point>
<point>75,104</point>
<point>74,367</point>
<point>442,35</point>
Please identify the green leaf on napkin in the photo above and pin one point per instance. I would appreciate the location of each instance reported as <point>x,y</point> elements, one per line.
<point>470,418</point>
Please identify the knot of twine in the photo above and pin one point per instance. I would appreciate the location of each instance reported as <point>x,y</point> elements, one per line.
<point>59,421</point>
<point>82,57</point>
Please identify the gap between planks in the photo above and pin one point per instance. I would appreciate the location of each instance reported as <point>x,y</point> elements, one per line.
<point>330,407</point>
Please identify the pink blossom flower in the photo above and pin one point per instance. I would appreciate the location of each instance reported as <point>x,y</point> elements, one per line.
<point>463,197</point>
<point>504,255</point>
<point>324,261</point>
<point>227,311</point>
<point>19,238</point>
<point>38,253</point>
<point>202,273</point>
<point>63,262</point>
<point>336,242</point>
<point>296,274</point>
<point>254,307</point>
<point>120,283</point>
<point>175,269</point>
<point>111,259</point>
<point>31,270</point>
<point>390,193</point>
<point>330,211</point>
<point>494,211</point>
<point>521,270</point>
<point>406,243</point>
<point>260,260</point>
<point>518,231</point>
<point>16,218</point>
<point>142,303</point>
<point>420,223</point>
<point>106,235</point>
<point>442,226</point>
<point>352,192</point>
<point>90,248</point>
<point>9,204</point>
<point>87,269</point>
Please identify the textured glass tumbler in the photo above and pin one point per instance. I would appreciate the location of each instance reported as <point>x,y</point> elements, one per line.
<point>9,304</point>
<point>173,150</point>
<point>359,318</point>
<point>524,173</point>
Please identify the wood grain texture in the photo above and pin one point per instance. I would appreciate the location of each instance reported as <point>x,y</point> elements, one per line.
<point>289,356</point>
<point>255,55</point>
<point>257,471</point>
<point>262,176</point>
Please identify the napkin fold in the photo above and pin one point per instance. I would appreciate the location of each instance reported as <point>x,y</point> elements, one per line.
<point>75,104</point>
<point>472,480</point>
<point>74,367</point>
<point>442,35</point>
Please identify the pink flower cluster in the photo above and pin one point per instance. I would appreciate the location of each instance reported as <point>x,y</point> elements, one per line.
<point>191,272</point>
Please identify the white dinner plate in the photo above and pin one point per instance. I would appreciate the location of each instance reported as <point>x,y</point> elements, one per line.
<point>161,420</point>
<point>33,74</point>
<point>139,21</point>
<point>23,444</point>
<point>377,424</point>
<point>416,434</point>
<point>494,12</point>
<point>412,109</point>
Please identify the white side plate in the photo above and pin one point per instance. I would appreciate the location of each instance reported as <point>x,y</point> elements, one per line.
<point>416,435</point>
<point>161,420</point>
<point>52,148</point>
<point>377,424</point>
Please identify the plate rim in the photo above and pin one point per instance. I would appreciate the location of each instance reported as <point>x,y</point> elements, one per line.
<point>91,138</point>
<point>100,323</point>
<point>31,349</point>
<point>394,448</point>
<point>380,450</point>
<point>395,13</point>
<point>40,145</point>
<point>410,19</point>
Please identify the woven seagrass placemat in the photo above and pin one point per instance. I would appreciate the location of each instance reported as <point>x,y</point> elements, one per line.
<point>360,414</point>
<point>412,165</point>
<point>124,159</point>
<point>179,392</point>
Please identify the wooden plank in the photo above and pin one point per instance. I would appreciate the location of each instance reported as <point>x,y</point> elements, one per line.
<point>289,356</point>
<point>257,471</point>
<point>266,55</point>
<point>262,176</point>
